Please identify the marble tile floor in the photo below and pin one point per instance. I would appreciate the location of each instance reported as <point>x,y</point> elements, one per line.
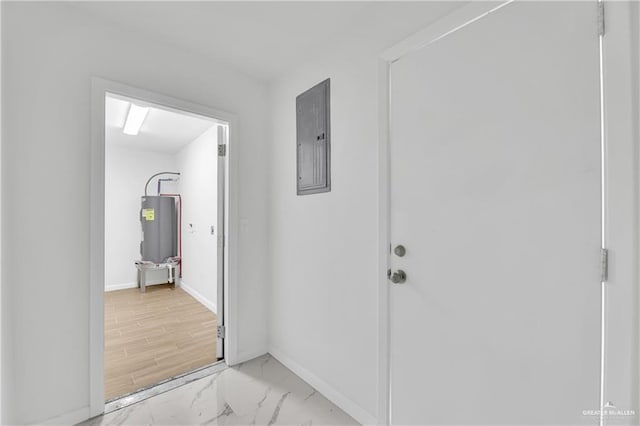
<point>258,392</point>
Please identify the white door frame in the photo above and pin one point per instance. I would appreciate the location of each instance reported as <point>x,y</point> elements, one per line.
<point>622,187</point>
<point>100,87</point>
<point>622,138</point>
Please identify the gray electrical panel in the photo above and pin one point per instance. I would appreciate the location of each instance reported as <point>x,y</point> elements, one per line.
<point>313,136</point>
<point>159,228</point>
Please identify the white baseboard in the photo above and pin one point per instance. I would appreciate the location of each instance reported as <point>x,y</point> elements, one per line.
<point>347,405</point>
<point>199,297</point>
<point>71,418</point>
<point>114,287</point>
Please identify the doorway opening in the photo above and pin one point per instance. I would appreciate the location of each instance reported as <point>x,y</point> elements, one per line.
<point>165,198</point>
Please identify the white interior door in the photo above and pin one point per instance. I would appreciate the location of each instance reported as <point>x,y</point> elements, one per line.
<point>495,193</point>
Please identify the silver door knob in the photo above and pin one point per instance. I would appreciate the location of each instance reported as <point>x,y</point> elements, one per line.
<point>398,277</point>
<point>399,250</point>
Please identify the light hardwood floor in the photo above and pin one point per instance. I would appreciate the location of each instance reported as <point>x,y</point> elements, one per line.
<point>153,336</point>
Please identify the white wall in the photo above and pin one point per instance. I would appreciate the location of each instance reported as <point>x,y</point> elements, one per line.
<point>198,165</point>
<point>323,248</point>
<point>323,317</point>
<point>50,51</point>
<point>126,172</point>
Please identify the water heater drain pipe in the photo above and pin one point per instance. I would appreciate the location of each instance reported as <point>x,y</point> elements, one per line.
<point>179,227</point>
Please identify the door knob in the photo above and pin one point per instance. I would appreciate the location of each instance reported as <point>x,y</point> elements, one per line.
<point>398,277</point>
<point>399,250</point>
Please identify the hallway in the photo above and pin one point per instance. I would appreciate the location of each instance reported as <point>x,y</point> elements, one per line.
<point>426,212</point>
<point>261,391</point>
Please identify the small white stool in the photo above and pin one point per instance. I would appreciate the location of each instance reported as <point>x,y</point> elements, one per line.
<point>143,266</point>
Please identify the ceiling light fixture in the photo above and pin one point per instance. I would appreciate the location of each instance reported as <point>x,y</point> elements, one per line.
<point>135,118</point>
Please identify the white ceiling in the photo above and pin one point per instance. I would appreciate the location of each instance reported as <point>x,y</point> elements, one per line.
<point>162,131</point>
<point>263,39</point>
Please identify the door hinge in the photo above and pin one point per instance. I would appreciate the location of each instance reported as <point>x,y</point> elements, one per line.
<point>601,17</point>
<point>604,265</point>
<point>222,150</point>
<point>221,331</point>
